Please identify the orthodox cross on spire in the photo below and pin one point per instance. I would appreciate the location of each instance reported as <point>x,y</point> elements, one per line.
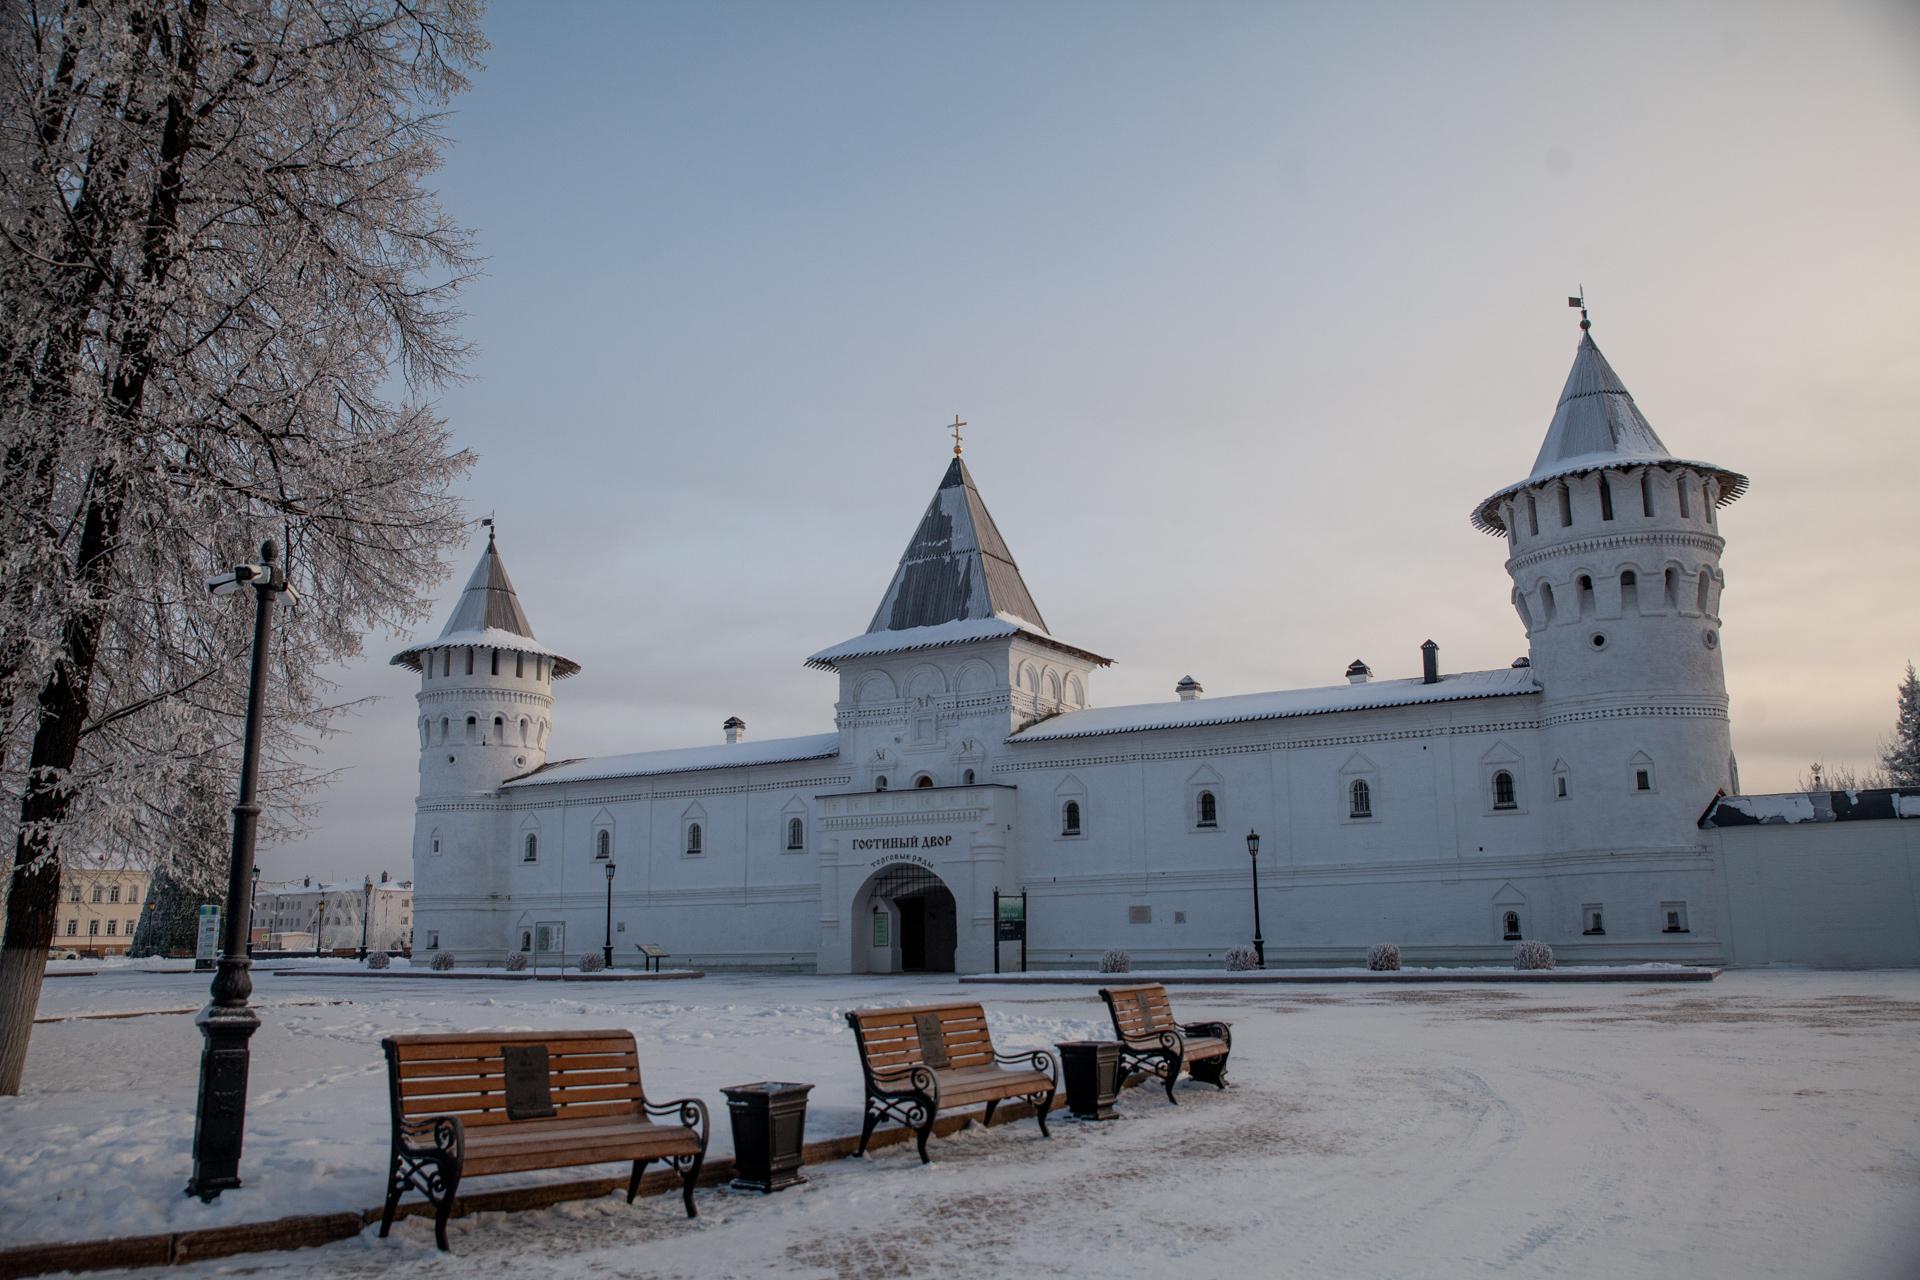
<point>954,427</point>
<point>487,524</point>
<point>1581,302</point>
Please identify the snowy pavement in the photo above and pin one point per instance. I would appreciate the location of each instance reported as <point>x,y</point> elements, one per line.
<point>1767,1124</point>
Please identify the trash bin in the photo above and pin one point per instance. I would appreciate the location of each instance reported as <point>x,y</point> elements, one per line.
<point>769,1128</point>
<point>1090,1069</point>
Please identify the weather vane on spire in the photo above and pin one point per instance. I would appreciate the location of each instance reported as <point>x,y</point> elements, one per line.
<point>487,524</point>
<point>1581,302</point>
<point>954,427</point>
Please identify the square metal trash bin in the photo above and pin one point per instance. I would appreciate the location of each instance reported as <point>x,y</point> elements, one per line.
<point>769,1129</point>
<point>1090,1070</point>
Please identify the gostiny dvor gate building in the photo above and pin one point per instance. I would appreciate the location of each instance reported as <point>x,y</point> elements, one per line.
<point>1450,812</point>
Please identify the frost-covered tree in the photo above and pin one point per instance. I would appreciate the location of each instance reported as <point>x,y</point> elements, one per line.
<point>1902,758</point>
<point>228,296</point>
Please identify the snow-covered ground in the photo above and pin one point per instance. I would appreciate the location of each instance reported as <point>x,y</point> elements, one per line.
<point>1766,1124</point>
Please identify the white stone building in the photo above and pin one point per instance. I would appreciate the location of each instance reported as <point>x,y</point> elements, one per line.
<point>294,917</point>
<point>1560,798</point>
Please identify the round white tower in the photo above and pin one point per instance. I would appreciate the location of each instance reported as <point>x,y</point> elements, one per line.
<point>1614,551</point>
<point>485,712</point>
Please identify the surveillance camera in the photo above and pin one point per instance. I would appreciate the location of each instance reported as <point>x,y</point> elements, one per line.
<point>224,584</point>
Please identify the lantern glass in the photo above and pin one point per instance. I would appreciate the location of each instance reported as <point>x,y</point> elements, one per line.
<point>1253,844</point>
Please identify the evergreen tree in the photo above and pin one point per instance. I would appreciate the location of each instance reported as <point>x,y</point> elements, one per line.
<point>1902,758</point>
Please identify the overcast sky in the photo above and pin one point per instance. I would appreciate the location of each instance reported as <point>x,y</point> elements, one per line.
<point>1248,306</point>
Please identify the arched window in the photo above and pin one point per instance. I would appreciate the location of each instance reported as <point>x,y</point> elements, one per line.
<point>1585,585</point>
<point>923,781</point>
<point>1546,602</point>
<point>113,894</point>
<point>796,834</point>
<point>693,838</point>
<point>519,666</point>
<point>526,939</point>
<point>500,729</point>
<point>1670,590</point>
<point>1503,790</point>
<point>533,849</point>
<point>1209,811</point>
<point>473,728</point>
<point>1705,590</point>
<point>1629,591</point>
<point>1361,796</point>
<point>1070,818</point>
<point>523,731</point>
<point>443,728</point>
<point>603,844</point>
<point>1510,923</point>
<point>880,783</point>
<point>968,777</point>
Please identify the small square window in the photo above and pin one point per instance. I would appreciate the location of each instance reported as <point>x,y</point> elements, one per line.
<point>1673,917</point>
<point>1593,920</point>
<point>1642,780</point>
<point>1139,915</point>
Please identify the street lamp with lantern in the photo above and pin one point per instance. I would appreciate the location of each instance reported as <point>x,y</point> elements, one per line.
<point>1259,943</point>
<point>366,915</point>
<point>606,951</point>
<point>226,1024</point>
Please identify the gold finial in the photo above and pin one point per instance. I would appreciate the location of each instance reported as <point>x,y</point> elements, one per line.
<point>954,427</point>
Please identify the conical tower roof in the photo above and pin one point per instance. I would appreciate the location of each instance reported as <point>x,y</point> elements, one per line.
<point>956,581</point>
<point>1596,425</point>
<point>956,566</point>
<point>488,614</point>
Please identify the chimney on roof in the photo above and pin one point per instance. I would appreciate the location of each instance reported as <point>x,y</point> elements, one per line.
<point>1522,662</point>
<point>383,877</point>
<point>736,730</point>
<point>1188,689</point>
<point>306,882</point>
<point>1358,672</point>
<point>1429,663</point>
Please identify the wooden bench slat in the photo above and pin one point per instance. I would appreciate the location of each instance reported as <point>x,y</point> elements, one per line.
<point>468,1048</point>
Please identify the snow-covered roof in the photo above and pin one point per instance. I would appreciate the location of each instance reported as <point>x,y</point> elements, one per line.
<point>1596,425</point>
<point>488,614</point>
<point>938,636</point>
<point>733,755</point>
<point>1786,807</point>
<point>1281,704</point>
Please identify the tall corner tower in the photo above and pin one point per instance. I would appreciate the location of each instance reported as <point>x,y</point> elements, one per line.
<point>485,711</point>
<point>1614,551</point>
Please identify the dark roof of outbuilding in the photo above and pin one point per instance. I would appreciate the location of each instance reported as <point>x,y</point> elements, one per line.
<point>1790,807</point>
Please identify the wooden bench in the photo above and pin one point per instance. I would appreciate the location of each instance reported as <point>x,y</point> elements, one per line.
<point>486,1102</point>
<point>1151,1041</point>
<point>651,954</point>
<point>929,1058</point>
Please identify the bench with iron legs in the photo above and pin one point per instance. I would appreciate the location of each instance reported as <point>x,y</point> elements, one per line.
<point>472,1104</point>
<point>1151,1041</point>
<point>924,1059</point>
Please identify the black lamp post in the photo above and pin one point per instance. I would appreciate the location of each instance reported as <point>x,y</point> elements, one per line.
<point>1259,943</point>
<point>253,905</point>
<point>606,951</point>
<point>220,1115</point>
<point>366,916</point>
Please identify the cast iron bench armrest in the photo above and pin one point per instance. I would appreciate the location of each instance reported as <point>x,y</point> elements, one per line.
<point>444,1136</point>
<point>919,1078</point>
<point>1218,1029</point>
<point>1170,1040</point>
<point>692,1113</point>
<point>1039,1059</point>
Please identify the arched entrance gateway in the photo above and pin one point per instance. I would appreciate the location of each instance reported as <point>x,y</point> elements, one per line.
<point>908,920</point>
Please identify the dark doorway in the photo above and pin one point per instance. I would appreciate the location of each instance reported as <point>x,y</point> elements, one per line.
<point>913,934</point>
<point>928,920</point>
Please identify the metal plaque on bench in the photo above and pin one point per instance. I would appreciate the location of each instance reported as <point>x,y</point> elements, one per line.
<point>526,1081</point>
<point>1145,1000</point>
<point>933,1040</point>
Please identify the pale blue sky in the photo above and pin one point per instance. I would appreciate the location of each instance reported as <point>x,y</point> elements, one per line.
<point>1248,306</point>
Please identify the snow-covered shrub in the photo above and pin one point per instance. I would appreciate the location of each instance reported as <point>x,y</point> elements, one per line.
<point>1116,961</point>
<point>1241,960</point>
<point>592,962</point>
<point>1384,958</point>
<point>378,959</point>
<point>1532,954</point>
<point>441,962</point>
<point>516,962</point>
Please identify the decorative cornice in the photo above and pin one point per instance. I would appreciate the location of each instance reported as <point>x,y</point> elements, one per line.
<point>1708,542</point>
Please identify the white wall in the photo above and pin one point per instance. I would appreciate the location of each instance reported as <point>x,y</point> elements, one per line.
<point>1843,894</point>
